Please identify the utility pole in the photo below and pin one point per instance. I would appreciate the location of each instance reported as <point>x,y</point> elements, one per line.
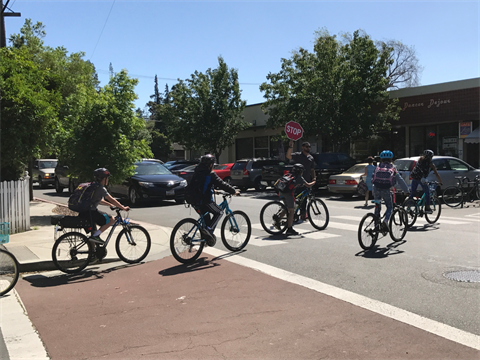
<point>3,39</point>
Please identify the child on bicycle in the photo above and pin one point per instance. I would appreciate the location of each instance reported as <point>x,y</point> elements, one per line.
<point>385,176</point>
<point>202,186</point>
<point>289,196</point>
<point>421,170</point>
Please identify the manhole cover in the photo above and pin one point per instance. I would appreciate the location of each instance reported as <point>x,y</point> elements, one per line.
<point>464,275</point>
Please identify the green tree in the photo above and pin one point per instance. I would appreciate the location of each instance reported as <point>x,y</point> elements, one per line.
<point>205,111</point>
<point>28,111</point>
<point>337,92</point>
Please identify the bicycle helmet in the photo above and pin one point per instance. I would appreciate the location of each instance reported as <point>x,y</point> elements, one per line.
<point>428,153</point>
<point>297,169</point>
<point>386,154</point>
<point>207,159</point>
<point>100,174</point>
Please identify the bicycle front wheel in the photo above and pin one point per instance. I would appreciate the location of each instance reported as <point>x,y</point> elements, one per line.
<point>72,252</point>
<point>398,224</point>
<point>236,231</point>
<point>452,196</point>
<point>8,271</point>
<point>186,242</point>
<point>318,214</point>
<point>273,217</point>
<point>133,244</point>
<point>436,210</point>
<point>368,231</point>
<point>411,208</point>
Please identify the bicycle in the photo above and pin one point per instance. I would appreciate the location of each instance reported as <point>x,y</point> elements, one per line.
<point>273,215</point>
<point>188,237</point>
<point>73,251</point>
<point>416,206</point>
<point>459,194</point>
<point>370,226</point>
<point>9,272</point>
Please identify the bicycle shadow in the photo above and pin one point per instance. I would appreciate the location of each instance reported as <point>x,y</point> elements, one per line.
<point>202,263</point>
<point>424,227</point>
<point>42,281</point>
<point>380,253</point>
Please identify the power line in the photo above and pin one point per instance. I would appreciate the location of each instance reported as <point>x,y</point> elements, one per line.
<point>102,29</point>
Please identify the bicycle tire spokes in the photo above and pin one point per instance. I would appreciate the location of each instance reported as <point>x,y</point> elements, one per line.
<point>186,244</point>
<point>8,272</point>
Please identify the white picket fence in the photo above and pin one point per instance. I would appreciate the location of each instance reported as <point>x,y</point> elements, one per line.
<point>15,205</point>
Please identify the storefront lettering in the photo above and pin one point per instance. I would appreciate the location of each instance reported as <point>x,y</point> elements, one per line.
<point>433,102</point>
<point>407,105</point>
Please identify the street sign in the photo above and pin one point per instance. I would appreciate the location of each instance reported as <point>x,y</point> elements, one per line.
<point>293,130</point>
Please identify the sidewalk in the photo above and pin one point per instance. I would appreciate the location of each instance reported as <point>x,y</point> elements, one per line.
<point>220,307</point>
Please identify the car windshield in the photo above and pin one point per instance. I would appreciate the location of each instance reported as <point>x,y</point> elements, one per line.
<point>356,169</point>
<point>239,165</point>
<point>404,165</point>
<point>47,164</point>
<point>151,169</point>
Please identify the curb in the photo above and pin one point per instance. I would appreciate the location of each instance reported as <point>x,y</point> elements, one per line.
<point>48,265</point>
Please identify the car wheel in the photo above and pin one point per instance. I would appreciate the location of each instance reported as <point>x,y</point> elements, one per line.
<point>259,186</point>
<point>347,196</point>
<point>132,196</point>
<point>58,188</point>
<point>179,201</point>
<point>41,183</point>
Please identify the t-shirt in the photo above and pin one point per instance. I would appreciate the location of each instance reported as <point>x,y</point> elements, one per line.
<point>307,161</point>
<point>421,169</point>
<point>99,194</point>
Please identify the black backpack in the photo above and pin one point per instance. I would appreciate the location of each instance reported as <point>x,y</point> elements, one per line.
<point>285,183</point>
<point>81,198</point>
<point>193,192</point>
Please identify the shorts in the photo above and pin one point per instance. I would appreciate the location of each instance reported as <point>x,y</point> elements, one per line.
<point>97,217</point>
<point>289,199</point>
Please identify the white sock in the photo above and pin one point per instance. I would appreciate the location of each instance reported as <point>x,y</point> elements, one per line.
<point>97,233</point>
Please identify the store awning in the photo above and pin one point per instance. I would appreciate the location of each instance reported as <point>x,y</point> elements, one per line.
<point>473,137</point>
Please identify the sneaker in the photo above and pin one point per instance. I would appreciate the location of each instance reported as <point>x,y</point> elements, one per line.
<point>96,240</point>
<point>428,210</point>
<point>291,231</point>
<point>366,204</point>
<point>384,228</point>
<point>209,237</point>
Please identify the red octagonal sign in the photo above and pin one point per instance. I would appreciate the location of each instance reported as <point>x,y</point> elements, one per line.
<point>293,130</point>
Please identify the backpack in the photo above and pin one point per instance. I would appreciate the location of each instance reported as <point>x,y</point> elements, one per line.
<point>193,193</point>
<point>384,176</point>
<point>81,198</point>
<point>285,183</point>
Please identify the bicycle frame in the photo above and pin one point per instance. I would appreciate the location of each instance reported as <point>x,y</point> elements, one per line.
<point>421,201</point>
<point>466,190</point>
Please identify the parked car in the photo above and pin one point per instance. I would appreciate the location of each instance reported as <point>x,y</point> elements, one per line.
<point>271,173</point>
<point>63,179</point>
<point>346,183</point>
<point>151,180</point>
<point>185,173</point>
<point>44,172</point>
<point>448,168</point>
<point>247,173</point>
<point>179,164</point>
<point>224,171</point>
<point>328,164</point>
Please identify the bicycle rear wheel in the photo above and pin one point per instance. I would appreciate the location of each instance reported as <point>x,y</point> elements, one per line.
<point>411,208</point>
<point>133,244</point>
<point>398,224</point>
<point>368,231</point>
<point>72,252</point>
<point>8,271</point>
<point>236,230</point>
<point>452,196</point>
<point>318,214</point>
<point>186,242</point>
<point>273,217</point>
<point>436,210</point>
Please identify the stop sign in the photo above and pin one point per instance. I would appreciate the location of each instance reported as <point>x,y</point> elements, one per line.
<point>293,130</point>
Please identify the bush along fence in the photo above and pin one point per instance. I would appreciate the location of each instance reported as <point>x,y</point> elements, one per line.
<point>15,205</point>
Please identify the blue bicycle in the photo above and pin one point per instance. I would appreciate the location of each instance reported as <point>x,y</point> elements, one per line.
<point>416,206</point>
<point>189,236</point>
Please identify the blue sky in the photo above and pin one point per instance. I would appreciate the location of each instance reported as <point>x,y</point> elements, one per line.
<point>173,39</point>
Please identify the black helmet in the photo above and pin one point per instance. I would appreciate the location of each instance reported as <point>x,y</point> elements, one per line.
<point>297,169</point>
<point>207,159</point>
<point>100,174</point>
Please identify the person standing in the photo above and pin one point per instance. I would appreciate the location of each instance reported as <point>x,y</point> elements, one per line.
<point>306,159</point>
<point>368,180</point>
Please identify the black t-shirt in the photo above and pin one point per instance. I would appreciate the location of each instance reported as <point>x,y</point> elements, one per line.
<point>307,161</point>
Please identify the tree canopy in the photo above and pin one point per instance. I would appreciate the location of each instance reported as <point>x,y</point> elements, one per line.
<point>338,91</point>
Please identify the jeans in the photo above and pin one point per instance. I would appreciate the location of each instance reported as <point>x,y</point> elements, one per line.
<point>415,184</point>
<point>384,194</point>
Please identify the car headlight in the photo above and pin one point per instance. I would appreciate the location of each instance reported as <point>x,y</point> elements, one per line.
<point>145,184</point>
<point>183,183</point>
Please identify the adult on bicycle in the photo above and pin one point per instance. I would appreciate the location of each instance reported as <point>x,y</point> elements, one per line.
<point>421,170</point>
<point>289,197</point>
<point>100,196</point>
<point>384,178</point>
<point>201,190</point>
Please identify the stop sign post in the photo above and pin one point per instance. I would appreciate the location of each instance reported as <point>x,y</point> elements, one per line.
<point>293,130</point>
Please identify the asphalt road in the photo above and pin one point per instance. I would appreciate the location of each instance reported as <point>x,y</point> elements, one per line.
<point>410,275</point>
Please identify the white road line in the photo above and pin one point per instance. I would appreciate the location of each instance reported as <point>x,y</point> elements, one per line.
<point>21,339</point>
<point>407,317</point>
<point>346,217</point>
<point>343,226</point>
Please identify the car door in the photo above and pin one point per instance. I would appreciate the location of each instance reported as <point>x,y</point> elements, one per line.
<point>449,169</point>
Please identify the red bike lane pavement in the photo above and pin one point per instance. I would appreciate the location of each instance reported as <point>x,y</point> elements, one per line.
<point>213,309</point>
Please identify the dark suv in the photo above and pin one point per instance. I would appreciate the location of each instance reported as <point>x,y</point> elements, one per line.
<point>327,164</point>
<point>63,179</point>
<point>247,173</point>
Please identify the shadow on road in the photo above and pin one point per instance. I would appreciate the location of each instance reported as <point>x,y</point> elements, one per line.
<point>381,253</point>
<point>201,264</point>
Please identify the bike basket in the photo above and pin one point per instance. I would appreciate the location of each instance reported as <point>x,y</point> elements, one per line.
<point>69,221</point>
<point>4,232</point>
